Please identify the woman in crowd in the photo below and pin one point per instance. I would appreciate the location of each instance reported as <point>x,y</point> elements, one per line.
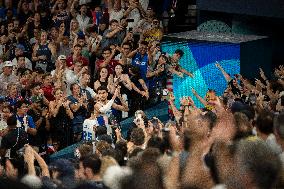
<point>48,87</point>
<point>140,90</point>
<point>74,29</point>
<point>13,96</point>
<point>43,53</point>
<point>32,23</point>
<point>102,79</point>
<point>122,80</point>
<point>79,106</point>
<point>60,118</point>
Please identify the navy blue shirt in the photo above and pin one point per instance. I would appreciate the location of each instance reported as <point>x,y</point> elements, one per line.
<point>141,62</point>
<point>80,114</point>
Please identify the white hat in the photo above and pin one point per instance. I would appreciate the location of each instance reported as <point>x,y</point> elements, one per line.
<point>62,57</point>
<point>8,64</point>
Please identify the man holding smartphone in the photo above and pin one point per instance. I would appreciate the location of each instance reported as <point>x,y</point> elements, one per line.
<point>114,35</point>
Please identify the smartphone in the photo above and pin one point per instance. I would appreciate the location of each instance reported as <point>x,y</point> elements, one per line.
<point>165,92</point>
<point>282,100</point>
<point>130,20</point>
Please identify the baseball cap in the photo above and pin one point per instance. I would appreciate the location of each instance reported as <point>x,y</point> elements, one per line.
<point>63,166</point>
<point>37,99</point>
<point>8,64</point>
<point>20,46</point>
<point>81,35</point>
<point>62,57</point>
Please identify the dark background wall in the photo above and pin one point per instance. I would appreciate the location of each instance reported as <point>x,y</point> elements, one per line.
<point>258,17</point>
<point>267,8</point>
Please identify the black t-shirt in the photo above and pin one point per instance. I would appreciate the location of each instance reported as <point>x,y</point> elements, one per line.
<point>97,184</point>
<point>23,17</point>
<point>42,133</point>
<point>15,139</point>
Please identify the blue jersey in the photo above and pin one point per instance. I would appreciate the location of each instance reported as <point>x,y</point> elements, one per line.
<point>141,62</point>
<point>89,129</point>
<point>29,122</point>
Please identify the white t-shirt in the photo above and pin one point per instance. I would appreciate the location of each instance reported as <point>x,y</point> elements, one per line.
<point>27,61</point>
<point>84,22</point>
<point>271,141</point>
<point>116,15</point>
<point>82,2</point>
<point>88,129</point>
<point>69,78</point>
<point>95,41</point>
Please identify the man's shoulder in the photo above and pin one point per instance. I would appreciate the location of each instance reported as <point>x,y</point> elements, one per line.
<point>70,57</point>
<point>98,184</point>
<point>106,32</point>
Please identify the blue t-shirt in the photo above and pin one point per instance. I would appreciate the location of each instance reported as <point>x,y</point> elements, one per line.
<point>30,122</point>
<point>141,62</point>
<point>80,114</point>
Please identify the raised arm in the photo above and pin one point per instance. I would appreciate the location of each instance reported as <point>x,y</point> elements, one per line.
<point>199,97</point>
<point>112,33</point>
<point>72,8</point>
<point>106,61</point>
<point>132,53</point>
<point>54,108</point>
<point>176,112</point>
<point>34,55</point>
<point>122,107</point>
<point>173,71</point>
<point>108,105</point>
<point>184,71</point>
<point>126,82</point>
<point>225,74</point>
<point>42,164</point>
<point>29,159</point>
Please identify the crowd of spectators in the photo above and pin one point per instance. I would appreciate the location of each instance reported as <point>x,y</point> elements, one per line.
<point>71,71</point>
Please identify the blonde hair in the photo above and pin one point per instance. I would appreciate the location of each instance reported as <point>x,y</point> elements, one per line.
<point>10,85</point>
<point>102,146</point>
<point>107,162</point>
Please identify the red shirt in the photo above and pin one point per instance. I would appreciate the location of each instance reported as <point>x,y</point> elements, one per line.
<point>48,92</point>
<point>69,61</point>
<point>110,66</point>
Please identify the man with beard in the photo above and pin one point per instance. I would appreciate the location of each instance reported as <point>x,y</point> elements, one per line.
<point>14,140</point>
<point>105,106</point>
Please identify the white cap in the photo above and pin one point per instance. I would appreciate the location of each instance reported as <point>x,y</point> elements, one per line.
<point>62,57</point>
<point>8,64</point>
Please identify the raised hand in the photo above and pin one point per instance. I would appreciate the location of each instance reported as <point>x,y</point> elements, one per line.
<point>184,101</point>
<point>193,91</point>
<point>171,97</point>
<point>217,65</point>
<point>262,75</point>
<point>180,74</point>
<point>66,103</point>
<point>29,154</point>
<point>116,92</point>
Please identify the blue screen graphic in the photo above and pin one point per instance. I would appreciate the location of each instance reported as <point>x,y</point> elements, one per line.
<point>200,58</point>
